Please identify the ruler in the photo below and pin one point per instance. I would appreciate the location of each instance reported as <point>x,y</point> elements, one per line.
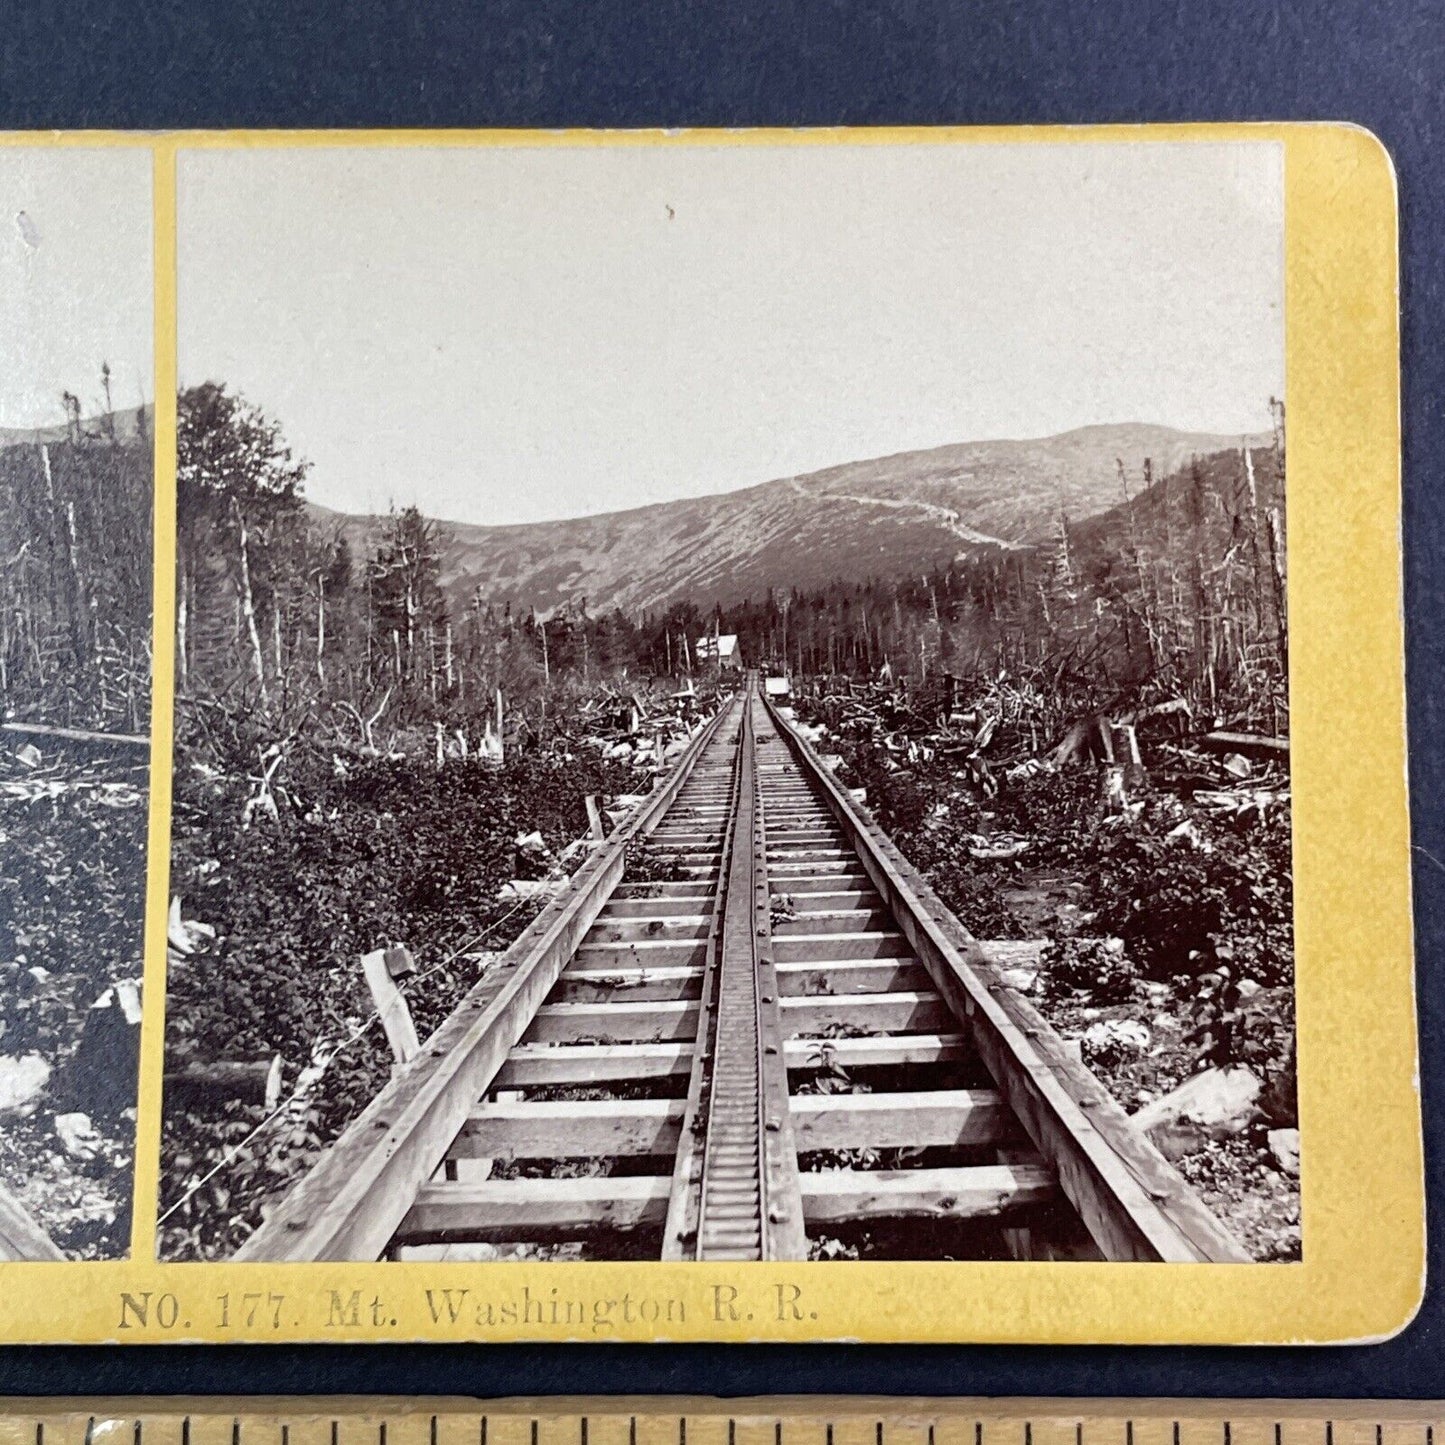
<point>821,1420</point>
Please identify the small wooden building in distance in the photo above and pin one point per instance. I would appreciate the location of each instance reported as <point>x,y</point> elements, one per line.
<point>723,648</point>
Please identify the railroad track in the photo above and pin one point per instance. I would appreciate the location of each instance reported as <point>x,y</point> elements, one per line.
<point>788,1040</point>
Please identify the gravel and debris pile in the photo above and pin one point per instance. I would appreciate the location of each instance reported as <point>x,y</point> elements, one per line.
<point>1163,889</point>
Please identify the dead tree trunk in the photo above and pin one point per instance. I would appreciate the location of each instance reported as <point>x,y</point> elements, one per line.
<point>320,627</point>
<point>183,616</point>
<point>248,601</point>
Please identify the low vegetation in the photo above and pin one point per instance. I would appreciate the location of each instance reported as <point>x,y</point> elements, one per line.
<point>75,651</point>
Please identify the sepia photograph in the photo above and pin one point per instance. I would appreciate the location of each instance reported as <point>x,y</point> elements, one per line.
<point>76,560</point>
<point>730,704</point>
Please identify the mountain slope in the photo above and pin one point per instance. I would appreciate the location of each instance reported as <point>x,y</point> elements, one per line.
<point>896,515</point>
<point>126,429</point>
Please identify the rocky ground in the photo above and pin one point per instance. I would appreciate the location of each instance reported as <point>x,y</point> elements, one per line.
<point>1244,1169</point>
<point>72,893</point>
<point>1169,962</point>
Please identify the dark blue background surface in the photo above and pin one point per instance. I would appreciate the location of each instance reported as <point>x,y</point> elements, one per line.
<point>766,62</point>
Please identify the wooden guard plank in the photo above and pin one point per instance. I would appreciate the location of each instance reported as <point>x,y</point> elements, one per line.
<point>637,930</point>
<point>350,1204</point>
<point>587,1128</point>
<point>580,985</point>
<point>933,1117</point>
<point>658,907</point>
<point>983,1191</point>
<point>790,874</point>
<point>824,900</point>
<point>872,1053</point>
<point>798,885</point>
<point>836,920</point>
<point>509,1209</point>
<point>642,952</point>
<point>535,1066</point>
<point>878,1013</point>
<point>614,1023</point>
<point>692,888</point>
<point>1133,1202</point>
<point>20,1236</point>
<point>817,947</point>
<point>859,975</point>
<point>546,1065</point>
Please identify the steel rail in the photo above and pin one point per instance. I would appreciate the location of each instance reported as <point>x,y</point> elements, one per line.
<point>1133,1202</point>
<point>350,1204</point>
<point>680,1232</point>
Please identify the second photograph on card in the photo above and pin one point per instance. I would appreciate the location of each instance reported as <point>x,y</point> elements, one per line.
<point>731,703</point>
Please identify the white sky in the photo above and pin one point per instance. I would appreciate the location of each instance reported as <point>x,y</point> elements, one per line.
<point>76,280</point>
<point>506,335</point>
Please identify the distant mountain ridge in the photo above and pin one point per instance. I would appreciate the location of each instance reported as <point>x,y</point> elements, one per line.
<point>126,429</point>
<point>894,515</point>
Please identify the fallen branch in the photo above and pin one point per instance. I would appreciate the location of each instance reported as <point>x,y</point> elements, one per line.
<point>76,735</point>
<point>249,1081</point>
<point>1251,745</point>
